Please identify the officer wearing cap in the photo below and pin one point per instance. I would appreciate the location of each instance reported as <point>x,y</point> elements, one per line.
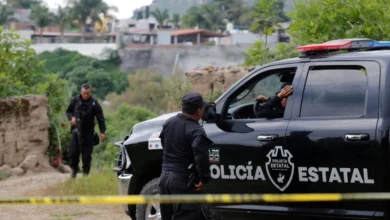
<point>185,143</point>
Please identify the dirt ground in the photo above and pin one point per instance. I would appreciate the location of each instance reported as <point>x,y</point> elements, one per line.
<point>34,185</point>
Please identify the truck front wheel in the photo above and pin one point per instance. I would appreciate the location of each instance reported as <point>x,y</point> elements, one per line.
<point>149,211</point>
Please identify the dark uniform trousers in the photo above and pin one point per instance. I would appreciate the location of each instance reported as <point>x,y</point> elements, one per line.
<point>85,150</point>
<point>175,183</point>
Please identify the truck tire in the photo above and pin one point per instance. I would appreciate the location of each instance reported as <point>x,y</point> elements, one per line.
<point>149,211</point>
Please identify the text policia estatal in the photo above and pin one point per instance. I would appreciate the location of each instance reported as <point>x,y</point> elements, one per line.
<point>305,174</point>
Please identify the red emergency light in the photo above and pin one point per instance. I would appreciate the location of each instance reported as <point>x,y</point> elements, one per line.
<point>356,43</point>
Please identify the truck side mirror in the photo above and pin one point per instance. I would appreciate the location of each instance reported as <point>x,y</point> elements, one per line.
<point>210,113</point>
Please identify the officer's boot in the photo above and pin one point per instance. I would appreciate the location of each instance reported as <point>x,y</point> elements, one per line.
<point>86,171</point>
<point>74,174</point>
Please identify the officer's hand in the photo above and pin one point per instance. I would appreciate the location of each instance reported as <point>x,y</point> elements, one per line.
<point>285,92</point>
<point>261,98</point>
<point>102,137</point>
<point>284,102</point>
<point>73,121</point>
<point>199,186</point>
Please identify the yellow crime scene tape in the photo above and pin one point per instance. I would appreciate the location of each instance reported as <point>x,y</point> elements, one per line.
<point>205,198</point>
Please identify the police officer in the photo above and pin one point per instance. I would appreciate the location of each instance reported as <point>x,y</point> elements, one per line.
<point>81,112</point>
<point>184,144</point>
<point>274,106</point>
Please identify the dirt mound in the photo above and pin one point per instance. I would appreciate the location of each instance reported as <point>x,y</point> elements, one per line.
<point>212,78</point>
<point>24,136</point>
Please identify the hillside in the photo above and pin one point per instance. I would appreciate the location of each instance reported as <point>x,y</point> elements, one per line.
<point>181,6</point>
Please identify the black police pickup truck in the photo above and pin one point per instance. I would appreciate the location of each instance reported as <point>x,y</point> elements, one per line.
<point>333,138</point>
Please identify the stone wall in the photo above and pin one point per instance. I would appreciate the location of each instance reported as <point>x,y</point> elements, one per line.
<point>162,58</point>
<point>213,78</point>
<point>24,139</point>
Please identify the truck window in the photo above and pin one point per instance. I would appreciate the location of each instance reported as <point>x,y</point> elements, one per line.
<point>334,91</point>
<point>240,103</point>
<point>267,87</point>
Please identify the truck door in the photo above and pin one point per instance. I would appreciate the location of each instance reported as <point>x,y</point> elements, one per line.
<point>243,143</point>
<point>332,136</point>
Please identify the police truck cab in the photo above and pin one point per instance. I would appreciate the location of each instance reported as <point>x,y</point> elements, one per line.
<point>333,138</point>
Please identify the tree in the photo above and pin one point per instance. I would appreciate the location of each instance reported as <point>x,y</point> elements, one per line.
<point>214,18</point>
<point>145,89</point>
<point>176,20</point>
<point>6,14</point>
<point>206,16</point>
<point>84,9</point>
<point>20,75</point>
<point>63,19</point>
<point>22,3</point>
<point>265,17</point>
<point>42,17</point>
<point>232,10</point>
<point>161,16</point>
<point>259,54</point>
<point>317,21</point>
<point>194,18</point>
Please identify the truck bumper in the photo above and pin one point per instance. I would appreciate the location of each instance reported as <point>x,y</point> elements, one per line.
<point>123,187</point>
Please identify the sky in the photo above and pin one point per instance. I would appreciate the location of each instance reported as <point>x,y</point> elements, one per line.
<point>125,7</point>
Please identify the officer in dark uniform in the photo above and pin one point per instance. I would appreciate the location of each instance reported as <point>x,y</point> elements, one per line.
<point>81,112</point>
<point>274,106</point>
<point>185,143</point>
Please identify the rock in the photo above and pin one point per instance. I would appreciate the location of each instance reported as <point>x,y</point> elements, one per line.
<point>30,162</point>
<point>64,168</point>
<point>17,171</point>
<point>5,169</point>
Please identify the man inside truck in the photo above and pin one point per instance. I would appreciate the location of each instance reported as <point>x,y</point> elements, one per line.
<point>274,106</point>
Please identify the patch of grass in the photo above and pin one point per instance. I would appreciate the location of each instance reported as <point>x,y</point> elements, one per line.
<point>101,181</point>
<point>3,176</point>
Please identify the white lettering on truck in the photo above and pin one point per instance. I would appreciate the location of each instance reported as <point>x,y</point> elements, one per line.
<point>233,172</point>
<point>331,175</point>
<point>280,168</point>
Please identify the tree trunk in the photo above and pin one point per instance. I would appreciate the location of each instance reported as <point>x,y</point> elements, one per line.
<point>62,35</point>
<point>82,32</point>
<point>40,35</point>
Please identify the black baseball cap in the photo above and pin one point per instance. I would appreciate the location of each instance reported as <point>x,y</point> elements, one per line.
<point>193,100</point>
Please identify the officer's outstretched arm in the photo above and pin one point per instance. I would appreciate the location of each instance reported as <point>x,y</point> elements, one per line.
<point>200,145</point>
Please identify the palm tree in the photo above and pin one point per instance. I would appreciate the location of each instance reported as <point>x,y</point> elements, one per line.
<point>6,14</point>
<point>213,17</point>
<point>104,9</point>
<point>63,19</point>
<point>176,20</point>
<point>194,18</point>
<point>161,16</point>
<point>42,17</point>
<point>85,9</point>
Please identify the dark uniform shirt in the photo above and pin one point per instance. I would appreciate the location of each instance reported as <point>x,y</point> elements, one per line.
<point>271,108</point>
<point>94,110</point>
<point>184,142</point>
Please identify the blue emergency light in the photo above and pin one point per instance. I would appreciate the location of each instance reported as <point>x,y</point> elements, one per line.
<point>345,44</point>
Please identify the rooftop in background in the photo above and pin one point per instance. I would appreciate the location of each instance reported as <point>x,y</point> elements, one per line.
<point>203,32</point>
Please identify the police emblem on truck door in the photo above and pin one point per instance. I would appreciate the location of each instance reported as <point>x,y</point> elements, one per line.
<point>279,167</point>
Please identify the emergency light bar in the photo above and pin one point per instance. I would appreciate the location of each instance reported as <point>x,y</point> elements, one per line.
<point>344,44</point>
